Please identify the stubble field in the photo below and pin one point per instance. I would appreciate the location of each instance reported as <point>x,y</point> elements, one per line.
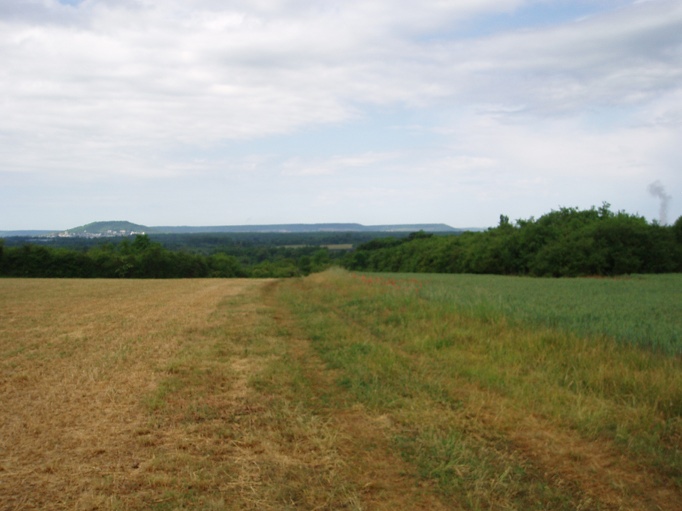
<point>337,391</point>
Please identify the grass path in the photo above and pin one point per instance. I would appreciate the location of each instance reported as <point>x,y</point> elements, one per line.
<point>268,395</point>
<point>381,479</point>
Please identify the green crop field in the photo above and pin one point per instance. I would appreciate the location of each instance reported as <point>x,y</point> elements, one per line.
<point>645,310</point>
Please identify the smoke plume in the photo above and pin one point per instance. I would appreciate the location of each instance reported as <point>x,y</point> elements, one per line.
<point>658,190</point>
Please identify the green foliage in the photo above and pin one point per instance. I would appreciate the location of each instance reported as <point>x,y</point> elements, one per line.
<point>223,265</point>
<point>146,258</point>
<point>564,243</point>
<point>568,242</point>
<point>677,230</point>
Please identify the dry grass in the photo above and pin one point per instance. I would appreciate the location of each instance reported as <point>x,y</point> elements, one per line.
<point>77,358</point>
<point>183,394</point>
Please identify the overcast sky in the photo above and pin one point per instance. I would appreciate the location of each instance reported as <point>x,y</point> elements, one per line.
<point>224,112</point>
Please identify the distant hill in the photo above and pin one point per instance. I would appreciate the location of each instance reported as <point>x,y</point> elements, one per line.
<point>113,226</point>
<point>124,228</point>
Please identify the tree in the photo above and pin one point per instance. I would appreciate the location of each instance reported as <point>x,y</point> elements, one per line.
<point>677,230</point>
<point>566,242</point>
<point>142,243</point>
<point>223,265</point>
<point>321,260</point>
<point>419,235</point>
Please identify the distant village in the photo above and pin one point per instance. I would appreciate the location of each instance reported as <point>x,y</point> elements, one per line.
<point>109,233</point>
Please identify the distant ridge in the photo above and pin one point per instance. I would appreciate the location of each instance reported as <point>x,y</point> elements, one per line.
<point>28,234</point>
<point>124,228</point>
<point>298,228</point>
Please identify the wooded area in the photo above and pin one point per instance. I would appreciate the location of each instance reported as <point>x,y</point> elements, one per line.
<point>564,243</point>
<point>145,258</point>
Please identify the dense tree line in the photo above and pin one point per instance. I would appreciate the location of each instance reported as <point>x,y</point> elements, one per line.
<point>144,258</point>
<point>240,244</point>
<point>567,242</point>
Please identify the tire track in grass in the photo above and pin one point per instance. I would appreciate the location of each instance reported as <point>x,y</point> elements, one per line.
<point>600,471</point>
<point>247,444</point>
<point>594,471</point>
<point>384,481</point>
<point>598,474</point>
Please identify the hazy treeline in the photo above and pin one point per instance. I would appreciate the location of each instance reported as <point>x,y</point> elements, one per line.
<point>567,242</point>
<point>144,258</point>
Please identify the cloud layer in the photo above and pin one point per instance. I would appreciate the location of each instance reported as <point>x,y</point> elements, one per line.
<point>468,120</point>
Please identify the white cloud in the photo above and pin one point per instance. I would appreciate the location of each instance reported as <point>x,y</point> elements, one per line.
<point>172,71</point>
<point>337,164</point>
<point>109,89</point>
<point>629,56</point>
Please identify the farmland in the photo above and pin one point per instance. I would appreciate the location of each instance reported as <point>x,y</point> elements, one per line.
<point>341,391</point>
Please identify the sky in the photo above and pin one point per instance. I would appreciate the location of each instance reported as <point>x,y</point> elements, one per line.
<point>236,112</point>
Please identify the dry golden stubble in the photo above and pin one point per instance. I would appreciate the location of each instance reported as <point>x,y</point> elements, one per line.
<point>77,357</point>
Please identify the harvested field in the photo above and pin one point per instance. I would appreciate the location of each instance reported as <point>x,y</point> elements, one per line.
<point>270,395</point>
<point>80,360</point>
